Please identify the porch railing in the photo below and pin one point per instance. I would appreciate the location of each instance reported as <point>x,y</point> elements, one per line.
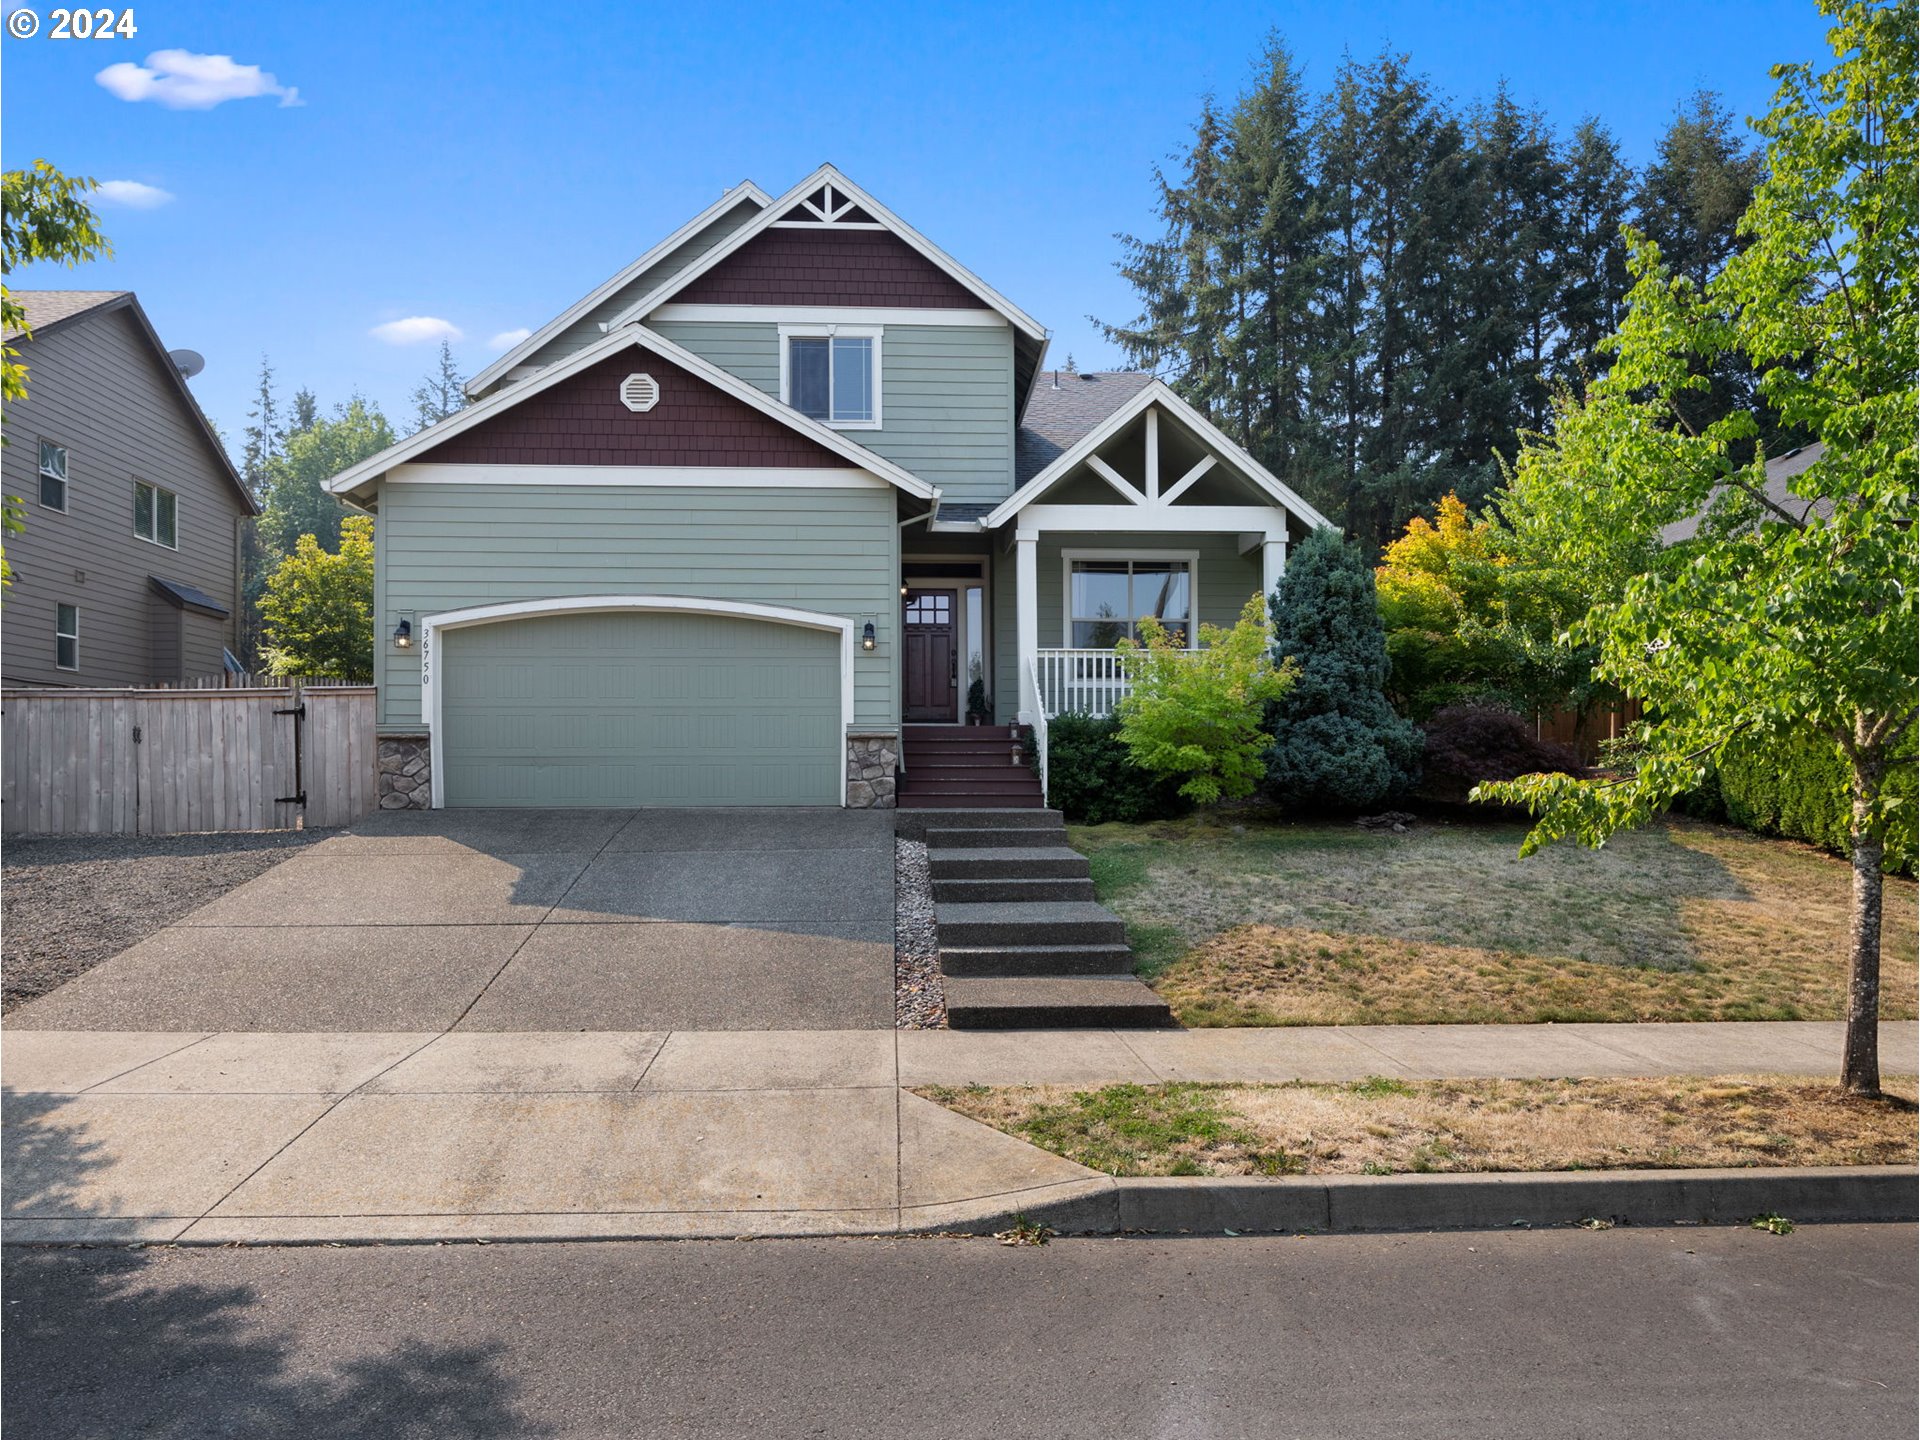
<point>1079,682</point>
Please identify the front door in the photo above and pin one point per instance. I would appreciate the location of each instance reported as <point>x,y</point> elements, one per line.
<point>933,655</point>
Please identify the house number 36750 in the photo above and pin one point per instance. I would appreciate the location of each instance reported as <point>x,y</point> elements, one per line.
<point>92,24</point>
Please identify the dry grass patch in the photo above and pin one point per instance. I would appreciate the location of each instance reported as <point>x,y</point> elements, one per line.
<point>1388,1127</point>
<point>1257,923</point>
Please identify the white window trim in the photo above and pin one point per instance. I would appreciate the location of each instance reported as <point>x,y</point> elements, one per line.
<point>875,333</point>
<point>66,460</point>
<point>1067,557</point>
<point>154,539</point>
<point>59,635</point>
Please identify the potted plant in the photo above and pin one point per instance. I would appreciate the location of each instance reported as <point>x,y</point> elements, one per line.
<point>979,712</point>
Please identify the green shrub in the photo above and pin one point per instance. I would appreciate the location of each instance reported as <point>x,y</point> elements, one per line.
<point>1195,716</point>
<point>1092,779</point>
<point>1799,787</point>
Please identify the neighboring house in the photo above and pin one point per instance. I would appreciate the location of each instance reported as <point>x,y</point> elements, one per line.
<point>778,491</point>
<point>127,572</point>
<point>1778,488</point>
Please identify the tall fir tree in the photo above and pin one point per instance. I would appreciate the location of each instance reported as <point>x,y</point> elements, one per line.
<point>1593,253</point>
<point>441,394</point>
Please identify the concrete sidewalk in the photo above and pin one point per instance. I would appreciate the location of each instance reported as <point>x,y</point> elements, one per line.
<point>159,1136</point>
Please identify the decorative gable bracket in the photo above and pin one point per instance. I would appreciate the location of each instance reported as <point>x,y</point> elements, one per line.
<point>831,208</point>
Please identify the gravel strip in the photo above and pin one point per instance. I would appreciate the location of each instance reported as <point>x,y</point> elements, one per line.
<point>919,998</point>
<point>69,902</point>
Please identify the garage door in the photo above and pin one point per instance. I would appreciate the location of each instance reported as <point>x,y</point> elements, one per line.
<point>640,709</point>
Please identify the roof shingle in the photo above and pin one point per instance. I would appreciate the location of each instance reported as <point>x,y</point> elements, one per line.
<point>45,307</point>
<point>1063,408</point>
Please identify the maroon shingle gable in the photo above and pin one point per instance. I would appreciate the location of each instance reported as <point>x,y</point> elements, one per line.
<point>582,421</point>
<point>829,267</point>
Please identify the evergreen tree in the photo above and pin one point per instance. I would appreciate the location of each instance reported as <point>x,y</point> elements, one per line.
<point>1689,203</point>
<point>1593,252</point>
<point>1337,744</point>
<point>1692,196</point>
<point>441,394</point>
<point>264,433</point>
<point>1270,172</point>
<point>306,412</point>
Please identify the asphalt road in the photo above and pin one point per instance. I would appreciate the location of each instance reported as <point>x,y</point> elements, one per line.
<point>1619,1334</point>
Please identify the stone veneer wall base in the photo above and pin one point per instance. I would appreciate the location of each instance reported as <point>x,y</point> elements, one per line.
<point>871,762</point>
<point>406,772</point>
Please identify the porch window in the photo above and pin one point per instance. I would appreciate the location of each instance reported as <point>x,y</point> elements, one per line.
<point>832,374</point>
<point>1108,597</point>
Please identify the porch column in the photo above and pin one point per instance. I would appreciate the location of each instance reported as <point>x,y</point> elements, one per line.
<point>1026,595</point>
<point>1273,564</point>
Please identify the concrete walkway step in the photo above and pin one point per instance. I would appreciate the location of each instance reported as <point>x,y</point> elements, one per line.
<point>1011,888</point>
<point>980,783</point>
<point>961,817</point>
<point>1058,861</point>
<point>1116,1001</point>
<point>980,961</point>
<point>1064,922</point>
<point>940,837</point>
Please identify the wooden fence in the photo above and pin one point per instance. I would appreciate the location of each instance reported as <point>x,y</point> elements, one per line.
<point>167,762</point>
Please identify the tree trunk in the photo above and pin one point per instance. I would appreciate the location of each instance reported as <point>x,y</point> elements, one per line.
<point>1860,1067</point>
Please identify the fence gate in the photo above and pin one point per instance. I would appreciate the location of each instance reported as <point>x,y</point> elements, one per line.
<point>166,762</point>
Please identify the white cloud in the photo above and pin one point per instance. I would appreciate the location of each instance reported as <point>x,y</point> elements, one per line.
<point>507,339</point>
<point>183,80</point>
<point>416,330</point>
<point>132,194</point>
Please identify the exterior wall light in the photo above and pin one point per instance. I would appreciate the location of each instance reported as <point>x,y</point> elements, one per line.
<point>867,639</point>
<point>403,635</point>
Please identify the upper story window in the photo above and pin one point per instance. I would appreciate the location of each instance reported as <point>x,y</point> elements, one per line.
<point>1110,595</point>
<point>53,475</point>
<point>156,514</point>
<point>832,373</point>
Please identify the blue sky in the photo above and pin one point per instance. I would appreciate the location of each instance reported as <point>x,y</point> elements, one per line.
<point>485,164</point>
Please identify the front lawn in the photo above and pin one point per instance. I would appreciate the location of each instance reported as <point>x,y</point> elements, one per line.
<point>1382,1126</point>
<point>1244,921</point>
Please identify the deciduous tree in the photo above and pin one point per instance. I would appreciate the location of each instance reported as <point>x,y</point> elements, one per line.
<point>1781,617</point>
<point>318,607</point>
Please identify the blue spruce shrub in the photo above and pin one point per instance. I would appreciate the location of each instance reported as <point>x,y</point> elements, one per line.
<point>1337,743</point>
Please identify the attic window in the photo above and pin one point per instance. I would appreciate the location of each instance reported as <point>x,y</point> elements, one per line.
<point>639,392</point>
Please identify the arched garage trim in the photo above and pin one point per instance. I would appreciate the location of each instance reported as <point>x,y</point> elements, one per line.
<point>431,625</point>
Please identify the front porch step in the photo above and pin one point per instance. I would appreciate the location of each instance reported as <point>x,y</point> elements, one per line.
<point>1000,961</point>
<point>994,862</point>
<point>1010,888</point>
<point>921,762</point>
<point>1050,922</point>
<point>1034,1004</point>
<point>939,837</point>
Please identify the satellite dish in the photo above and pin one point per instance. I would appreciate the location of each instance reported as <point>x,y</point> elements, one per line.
<point>188,362</point>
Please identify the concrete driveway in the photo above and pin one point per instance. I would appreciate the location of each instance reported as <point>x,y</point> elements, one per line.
<point>528,920</point>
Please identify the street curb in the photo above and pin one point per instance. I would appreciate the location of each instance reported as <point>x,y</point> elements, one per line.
<point>1350,1204</point>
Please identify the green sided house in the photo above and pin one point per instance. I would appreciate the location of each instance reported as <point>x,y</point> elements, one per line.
<point>771,515</point>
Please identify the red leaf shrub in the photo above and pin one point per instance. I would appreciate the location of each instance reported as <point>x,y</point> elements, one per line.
<point>1473,742</point>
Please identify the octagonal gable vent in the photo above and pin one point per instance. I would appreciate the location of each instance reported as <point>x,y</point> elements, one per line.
<point>639,392</point>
